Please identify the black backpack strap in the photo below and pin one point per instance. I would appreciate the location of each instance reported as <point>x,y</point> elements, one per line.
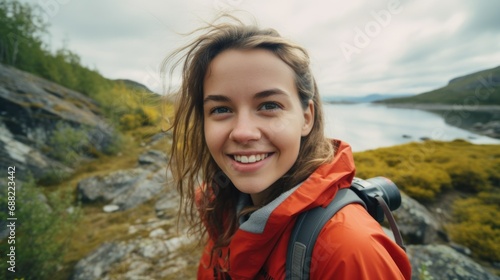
<point>306,231</point>
<point>392,222</point>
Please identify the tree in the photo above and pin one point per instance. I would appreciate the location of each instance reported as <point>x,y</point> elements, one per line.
<point>21,28</point>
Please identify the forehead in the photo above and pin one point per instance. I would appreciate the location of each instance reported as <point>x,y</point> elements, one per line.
<point>249,69</point>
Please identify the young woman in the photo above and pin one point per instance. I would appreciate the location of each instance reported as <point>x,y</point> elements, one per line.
<point>249,155</point>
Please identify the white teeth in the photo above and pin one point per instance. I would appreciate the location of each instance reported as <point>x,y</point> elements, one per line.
<point>250,159</point>
<point>244,159</point>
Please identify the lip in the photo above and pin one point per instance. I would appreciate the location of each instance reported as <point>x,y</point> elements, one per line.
<point>248,167</point>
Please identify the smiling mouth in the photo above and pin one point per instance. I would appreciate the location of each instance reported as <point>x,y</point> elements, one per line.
<point>250,158</point>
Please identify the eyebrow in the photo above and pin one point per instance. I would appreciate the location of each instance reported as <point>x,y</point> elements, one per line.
<point>259,95</point>
<point>269,92</point>
<point>216,98</point>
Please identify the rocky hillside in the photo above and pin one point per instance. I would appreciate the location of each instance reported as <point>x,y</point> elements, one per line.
<point>34,112</point>
<point>129,226</point>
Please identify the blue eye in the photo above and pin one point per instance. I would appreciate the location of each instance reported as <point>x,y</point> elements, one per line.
<point>270,106</point>
<point>220,110</point>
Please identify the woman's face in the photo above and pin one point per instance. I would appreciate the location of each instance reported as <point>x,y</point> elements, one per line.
<point>253,118</point>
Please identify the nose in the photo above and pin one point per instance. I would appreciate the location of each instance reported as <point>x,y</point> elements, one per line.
<point>245,129</point>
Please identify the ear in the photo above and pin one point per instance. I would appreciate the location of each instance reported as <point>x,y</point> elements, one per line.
<point>308,119</point>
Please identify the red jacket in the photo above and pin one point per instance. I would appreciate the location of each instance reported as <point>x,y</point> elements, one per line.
<point>352,245</point>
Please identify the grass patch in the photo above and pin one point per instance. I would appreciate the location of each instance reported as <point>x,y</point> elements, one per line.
<point>97,227</point>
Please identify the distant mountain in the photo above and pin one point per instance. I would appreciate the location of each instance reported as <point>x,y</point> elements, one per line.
<point>362,99</point>
<point>480,88</point>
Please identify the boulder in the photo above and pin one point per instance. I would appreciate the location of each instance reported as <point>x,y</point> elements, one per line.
<point>442,262</point>
<point>142,190</point>
<point>99,262</point>
<point>417,224</point>
<point>106,188</point>
<point>123,188</point>
<point>144,258</point>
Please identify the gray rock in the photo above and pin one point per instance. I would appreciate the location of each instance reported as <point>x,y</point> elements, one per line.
<point>167,205</point>
<point>124,188</point>
<point>26,158</point>
<point>144,258</point>
<point>107,187</point>
<point>142,190</point>
<point>138,270</point>
<point>442,262</point>
<point>153,157</point>
<point>159,136</point>
<point>417,224</point>
<point>491,129</point>
<point>31,108</point>
<point>461,249</point>
<point>99,262</point>
<point>159,232</point>
<point>110,208</point>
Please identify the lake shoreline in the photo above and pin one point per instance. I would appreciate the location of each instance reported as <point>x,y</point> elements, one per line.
<point>489,128</point>
<point>442,107</point>
<point>368,126</point>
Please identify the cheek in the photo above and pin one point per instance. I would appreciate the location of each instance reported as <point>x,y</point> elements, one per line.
<point>288,142</point>
<point>282,129</point>
<point>289,154</point>
<point>213,137</point>
<point>208,136</point>
<point>286,131</point>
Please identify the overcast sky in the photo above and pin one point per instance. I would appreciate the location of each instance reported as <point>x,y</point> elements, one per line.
<point>357,47</point>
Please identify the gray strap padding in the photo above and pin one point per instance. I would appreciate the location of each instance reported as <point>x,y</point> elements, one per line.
<point>306,231</point>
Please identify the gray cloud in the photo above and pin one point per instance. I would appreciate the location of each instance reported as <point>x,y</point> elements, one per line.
<point>412,46</point>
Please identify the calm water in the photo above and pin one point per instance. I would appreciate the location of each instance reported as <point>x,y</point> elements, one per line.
<point>368,126</point>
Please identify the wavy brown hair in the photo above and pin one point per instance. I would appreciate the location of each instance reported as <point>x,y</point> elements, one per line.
<point>191,163</point>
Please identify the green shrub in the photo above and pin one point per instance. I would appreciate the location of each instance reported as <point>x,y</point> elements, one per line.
<point>118,141</point>
<point>482,238</point>
<point>53,177</point>
<point>43,231</point>
<point>419,193</point>
<point>468,177</point>
<point>68,144</point>
<point>477,210</point>
<point>493,170</point>
<point>424,170</point>
<point>369,165</point>
<point>130,121</point>
<point>490,197</point>
<point>151,115</point>
<point>424,183</point>
<point>477,226</point>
